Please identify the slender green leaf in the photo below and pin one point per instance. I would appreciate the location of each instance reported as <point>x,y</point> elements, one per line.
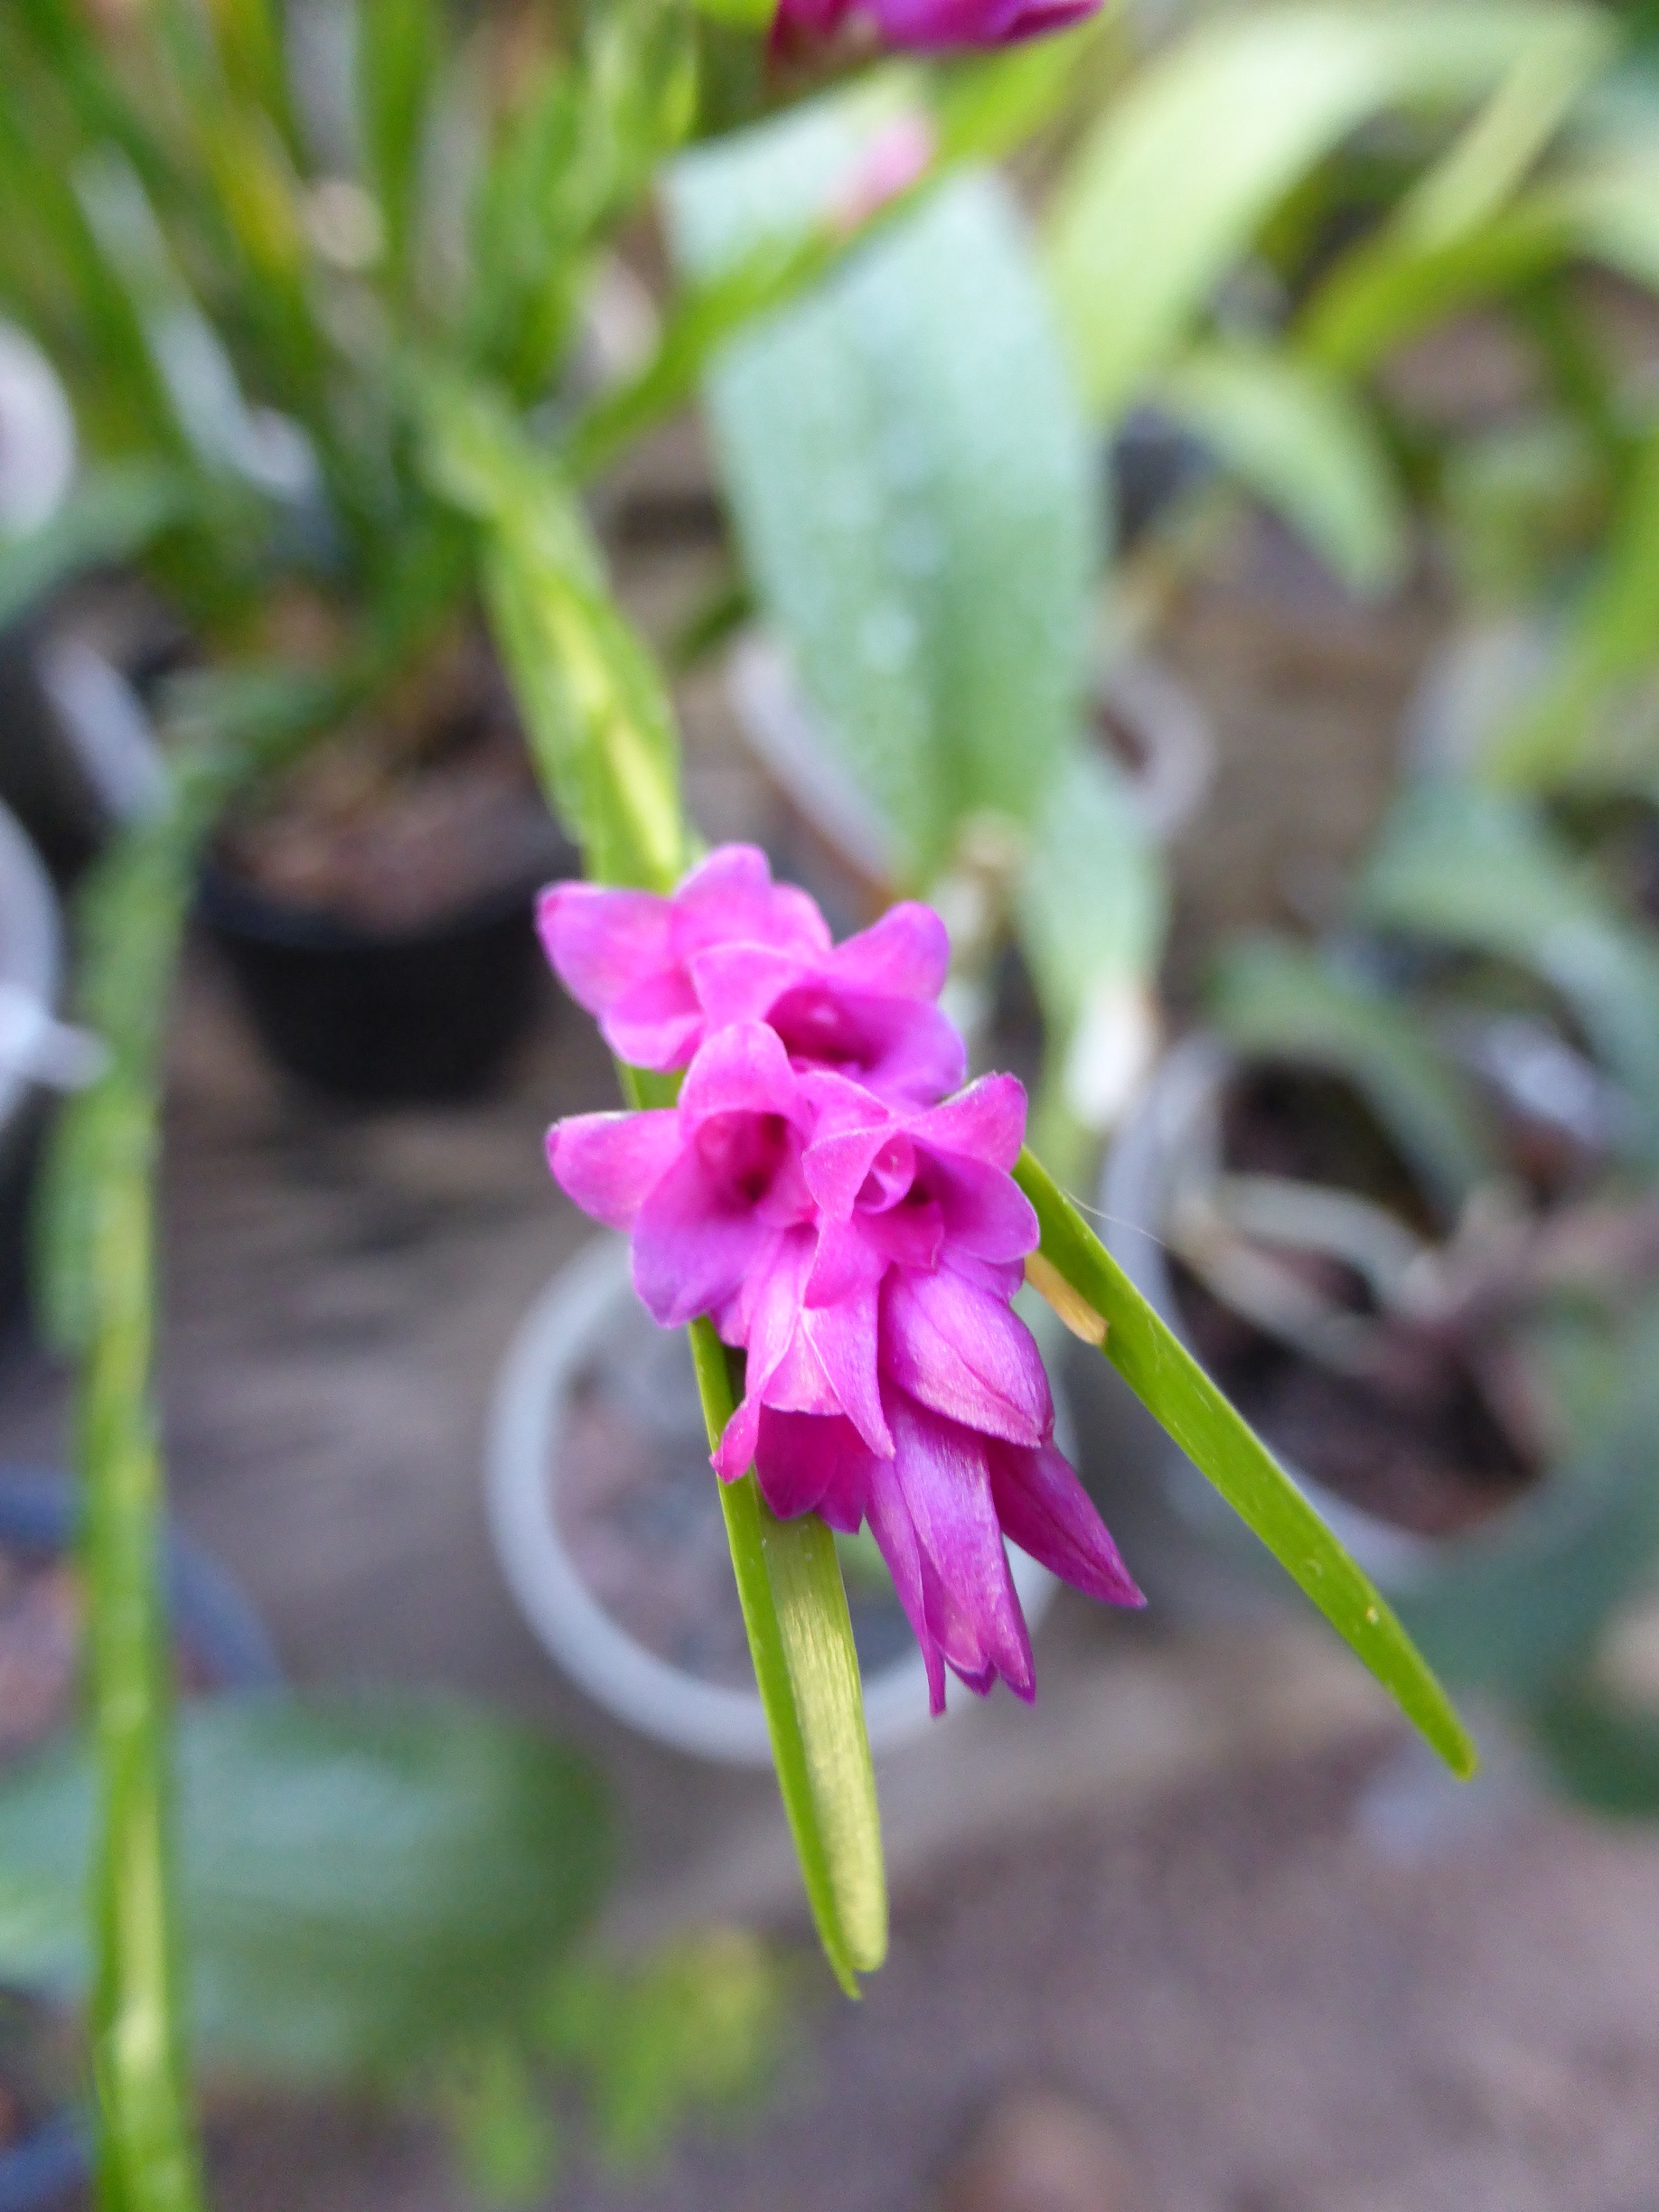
<point>399,48</point>
<point>1379,300</point>
<point>112,515</point>
<point>794,1607</point>
<point>1173,1387</point>
<point>1579,727</point>
<point>599,723</point>
<point>1305,445</point>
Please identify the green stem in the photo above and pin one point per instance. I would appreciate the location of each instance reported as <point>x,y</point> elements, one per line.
<point>99,1253</point>
<point>795,1607</point>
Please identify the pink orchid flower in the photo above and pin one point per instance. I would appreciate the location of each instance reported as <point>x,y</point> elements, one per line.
<point>863,1253</point>
<point>661,974</point>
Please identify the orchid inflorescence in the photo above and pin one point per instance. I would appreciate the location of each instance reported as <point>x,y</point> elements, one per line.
<point>828,1192</point>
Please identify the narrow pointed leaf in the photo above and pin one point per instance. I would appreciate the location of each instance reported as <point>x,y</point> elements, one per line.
<point>1173,1387</point>
<point>795,1607</point>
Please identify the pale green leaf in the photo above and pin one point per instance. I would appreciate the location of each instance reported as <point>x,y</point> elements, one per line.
<point>910,476</point>
<point>1182,171</point>
<point>1480,871</point>
<point>363,1880</point>
<point>1305,445</point>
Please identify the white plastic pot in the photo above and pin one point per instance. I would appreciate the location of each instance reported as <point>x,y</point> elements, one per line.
<point>580,1310</point>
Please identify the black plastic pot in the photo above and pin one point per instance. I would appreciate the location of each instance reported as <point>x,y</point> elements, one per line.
<point>422,1016</point>
<point>217,1626</point>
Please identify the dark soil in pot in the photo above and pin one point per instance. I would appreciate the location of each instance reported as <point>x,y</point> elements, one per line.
<point>1417,1444</point>
<point>377,906</point>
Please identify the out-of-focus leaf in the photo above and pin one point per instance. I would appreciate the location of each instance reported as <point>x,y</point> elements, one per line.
<point>211,415</point>
<point>365,1882</point>
<point>1279,1001</point>
<point>746,14</point>
<point>1173,1387</point>
<point>1480,871</point>
<point>698,2024</point>
<point>1092,904</point>
<point>1379,300</point>
<point>1182,171</point>
<point>1520,1608</point>
<point>909,472</point>
<point>500,2128</point>
<point>1602,1749</point>
<point>1572,731</point>
<point>399,48</point>
<point>112,515</point>
<point>1305,445</point>
<point>586,140</point>
<point>597,718</point>
<point>987,105</point>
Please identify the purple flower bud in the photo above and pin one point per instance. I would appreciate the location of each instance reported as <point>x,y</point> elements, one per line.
<point>930,25</point>
<point>854,1230</point>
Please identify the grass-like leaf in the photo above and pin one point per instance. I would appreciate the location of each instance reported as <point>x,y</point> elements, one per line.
<point>1173,1387</point>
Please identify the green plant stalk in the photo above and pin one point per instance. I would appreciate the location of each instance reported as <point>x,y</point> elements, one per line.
<point>604,743</point>
<point>794,1608</point>
<point>1168,1380</point>
<point>99,1254</point>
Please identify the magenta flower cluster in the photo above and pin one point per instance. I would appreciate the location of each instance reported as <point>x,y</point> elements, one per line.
<point>930,25</point>
<point>842,1208</point>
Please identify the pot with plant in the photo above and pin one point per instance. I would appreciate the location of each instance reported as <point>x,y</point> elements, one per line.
<point>1399,1199</point>
<point>249,350</point>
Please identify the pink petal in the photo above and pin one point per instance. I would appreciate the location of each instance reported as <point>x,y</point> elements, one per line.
<point>1047,1512</point>
<point>692,1244</point>
<point>843,1336</point>
<point>656,1023</point>
<point>987,1121</point>
<point>974,1612</point>
<point>609,1163</point>
<point>890,1524</point>
<point>739,982</point>
<point>602,942</point>
<point>905,955</point>
<point>961,1351</point>
<point>896,1047</point>
<point>811,1464</point>
<point>730,897</point>
<point>984,1212</point>
<point>743,1069</point>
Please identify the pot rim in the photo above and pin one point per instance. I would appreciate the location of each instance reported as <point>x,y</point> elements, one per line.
<point>709,1720</point>
<point>30,947</point>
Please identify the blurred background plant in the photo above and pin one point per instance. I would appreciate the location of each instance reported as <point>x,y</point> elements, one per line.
<point>336,293</point>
